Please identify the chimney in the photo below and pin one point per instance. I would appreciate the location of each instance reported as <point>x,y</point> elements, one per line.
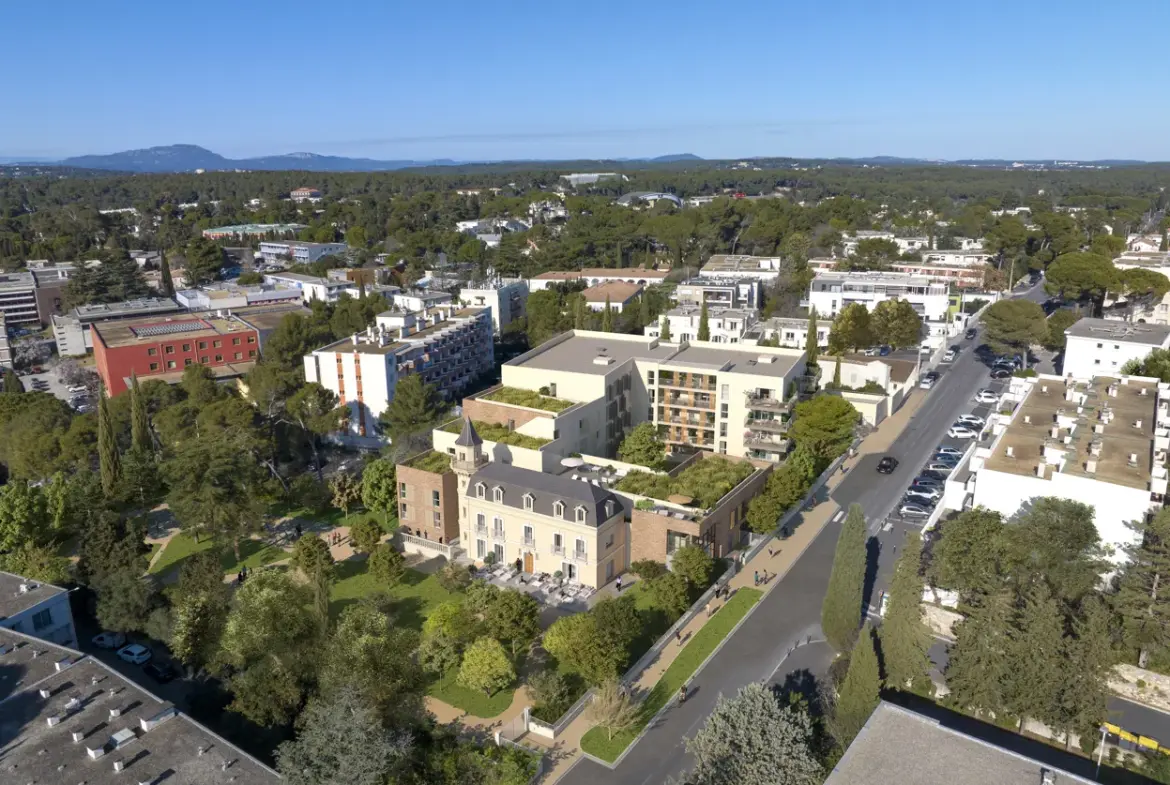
<point>1011,452</point>
<point>1027,419</point>
<point>1112,391</point>
<point>54,719</point>
<point>1091,466</point>
<point>1040,470</point>
<point>1133,459</point>
<point>1044,388</point>
<point>1055,433</point>
<point>77,736</point>
<point>115,713</point>
<point>45,693</point>
<point>355,339</point>
<point>119,764</point>
<point>1137,424</point>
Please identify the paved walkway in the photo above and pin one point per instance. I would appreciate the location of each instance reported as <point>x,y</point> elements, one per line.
<point>774,560</point>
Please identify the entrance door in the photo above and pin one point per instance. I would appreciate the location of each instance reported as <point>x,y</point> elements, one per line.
<point>528,562</point>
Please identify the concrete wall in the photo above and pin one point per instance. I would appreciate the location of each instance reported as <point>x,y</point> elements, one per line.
<point>1083,360</point>
<point>57,627</point>
<point>416,494</point>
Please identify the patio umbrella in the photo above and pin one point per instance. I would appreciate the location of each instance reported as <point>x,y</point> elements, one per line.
<point>572,463</point>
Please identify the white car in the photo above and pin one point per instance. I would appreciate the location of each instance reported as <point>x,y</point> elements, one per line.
<point>109,640</point>
<point>943,449</point>
<point>883,603</point>
<point>917,492</point>
<point>972,420</point>
<point>940,467</point>
<point>962,432</point>
<point>986,396</point>
<point>949,356</point>
<point>913,511</point>
<point>135,654</point>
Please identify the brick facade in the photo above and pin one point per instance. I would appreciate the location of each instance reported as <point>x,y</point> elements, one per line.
<point>498,414</point>
<point>417,508</point>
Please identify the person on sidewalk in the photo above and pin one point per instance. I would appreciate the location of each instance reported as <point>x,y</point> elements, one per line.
<point>757,577</point>
<point>678,637</point>
<point>619,584</point>
<point>708,609</point>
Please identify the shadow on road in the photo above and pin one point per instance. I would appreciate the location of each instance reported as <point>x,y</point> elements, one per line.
<point>873,549</point>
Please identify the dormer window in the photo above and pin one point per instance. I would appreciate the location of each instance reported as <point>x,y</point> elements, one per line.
<point>581,515</point>
<point>559,509</point>
<point>498,495</point>
<point>480,490</point>
<point>609,509</point>
<point>528,501</point>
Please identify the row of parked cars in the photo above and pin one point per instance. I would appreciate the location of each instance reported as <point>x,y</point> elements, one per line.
<point>926,489</point>
<point>135,654</point>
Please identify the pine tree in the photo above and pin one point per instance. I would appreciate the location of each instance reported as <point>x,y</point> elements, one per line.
<point>841,611</point>
<point>904,637</point>
<point>980,658</point>
<point>580,314</point>
<point>166,283</point>
<point>139,423</point>
<point>607,317</point>
<point>704,326</point>
<point>108,460</point>
<point>1090,660</point>
<point>837,373</point>
<point>664,332</point>
<point>1037,651</point>
<point>643,310</point>
<point>1143,593</point>
<point>811,349</point>
<point>12,383</point>
<point>860,691</point>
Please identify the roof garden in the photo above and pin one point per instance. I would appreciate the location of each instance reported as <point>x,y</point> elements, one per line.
<point>491,432</point>
<point>431,461</point>
<point>706,481</point>
<point>533,400</point>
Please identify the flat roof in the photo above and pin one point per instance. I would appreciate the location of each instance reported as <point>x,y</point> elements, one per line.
<point>603,272</point>
<point>868,277</point>
<point>1047,405</point>
<point>901,746</point>
<point>616,291</point>
<point>13,601</point>
<point>694,309</point>
<point>1124,332</point>
<point>730,361</point>
<point>126,332</point>
<point>113,310</point>
<point>153,740</point>
<point>576,353</point>
<point>721,262</point>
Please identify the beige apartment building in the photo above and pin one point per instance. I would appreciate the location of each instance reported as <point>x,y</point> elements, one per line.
<point>546,523</point>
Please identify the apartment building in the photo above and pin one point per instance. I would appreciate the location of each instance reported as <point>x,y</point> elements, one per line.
<point>5,346</point>
<point>420,300</point>
<point>230,295</point>
<point>18,299</point>
<point>36,608</point>
<point>957,258</point>
<point>161,347</point>
<point>1103,442</point>
<point>597,276</point>
<point>448,346</point>
<point>619,295</point>
<point>739,266</point>
<point>720,292</point>
<point>726,325</point>
<point>547,523</point>
<point>849,242</point>
<point>507,300</point>
<point>788,331</point>
<point>831,291</point>
<point>428,498</point>
<point>305,195</point>
<point>1095,347</point>
<point>240,231</point>
<point>1155,313</point>
<point>71,331</point>
<point>299,252</point>
<point>311,287</point>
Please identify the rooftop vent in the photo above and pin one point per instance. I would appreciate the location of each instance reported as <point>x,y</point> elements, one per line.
<point>1044,388</point>
<point>1040,470</point>
<point>1137,424</point>
<point>602,359</point>
<point>96,752</point>
<point>1011,453</point>
<point>123,737</point>
<point>1133,462</point>
<point>1027,419</point>
<point>74,704</point>
<point>27,586</point>
<point>150,723</point>
<point>1091,466</point>
<point>77,736</point>
<point>115,713</point>
<point>119,764</point>
<point>54,719</point>
<point>63,663</point>
<point>45,693</point>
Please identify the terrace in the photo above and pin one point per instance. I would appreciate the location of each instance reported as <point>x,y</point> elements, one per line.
<point>431,461</point>
<point>515,396</point>
<point>501,434</point>
<point>706,481</point>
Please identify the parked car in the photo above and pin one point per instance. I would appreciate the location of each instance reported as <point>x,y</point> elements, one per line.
<point>884,350</point>
<point>926,482</point>
<point>872,351</point>
<point>925,349</point>
<point>949,460</point>
<point>887,465</point>
<point>161,672</point>
<point>946,449</point>
<point>962,432</point>
<point>940,467</point>
<point>923,492</point>
<point>971,419</point>
<point>135,653</point>
<point>971,333</point>
<point>950,355</point>
<point>928,380</point>
<point>883,603</point>
<point>930,474</point>
<point>1001,373</point>
<point>987,396</point>
<point>109,640</point>
<point>909,510</point>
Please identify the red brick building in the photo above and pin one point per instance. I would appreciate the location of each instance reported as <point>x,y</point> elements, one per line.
<point>162,347</point>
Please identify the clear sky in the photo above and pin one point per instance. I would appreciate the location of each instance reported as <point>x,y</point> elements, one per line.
<point>481,80</point>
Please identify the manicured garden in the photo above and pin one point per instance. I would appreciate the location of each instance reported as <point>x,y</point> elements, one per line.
<point>416,595</point>
<point>706,481</point>
<point>596,741</point>
<point>431,461</point>
<point>253,553</point>
<point>499,434</point>
<point>474,702</point>
<point>533,400</point>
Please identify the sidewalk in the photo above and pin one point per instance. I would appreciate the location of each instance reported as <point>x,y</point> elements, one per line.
<point>784,553</point>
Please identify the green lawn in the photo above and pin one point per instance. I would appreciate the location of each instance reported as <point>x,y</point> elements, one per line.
<point>597,742</point>
<point>253,553</point>
<point>473,702</point>
<point>334,517</point>
<point>416,595</point>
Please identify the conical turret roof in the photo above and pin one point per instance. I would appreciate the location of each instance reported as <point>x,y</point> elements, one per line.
<point>468,437</point>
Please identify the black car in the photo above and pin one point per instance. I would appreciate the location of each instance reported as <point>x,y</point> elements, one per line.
<point>1001,373</point>
<point>972,333</point>
<point>929,474</point>
<point>160,672</point>
<point>887,465</point>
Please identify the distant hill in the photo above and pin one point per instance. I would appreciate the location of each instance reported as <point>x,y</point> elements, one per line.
<point>670,159</point>
<point>189,157</point>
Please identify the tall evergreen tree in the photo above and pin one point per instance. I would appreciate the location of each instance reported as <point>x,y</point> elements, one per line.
<point>811,349</point>
<point>607,317</point>
<point>12,383</point>
<point>981,656</point>
<point>108,460</point>
<point>841,611</point>
<point>643,310</point>
<point>837,372</point>
<point>139,423</point>
<point>860,691</point>
<point>166,283</point>
<point>580,314</point>
<point>416,406</point>
<point>1037,650</point>
<point>704,325</point>
<point>664,332</point>
<point>1090,660</point>
<point>904,637</point>
<point>1143,593</point>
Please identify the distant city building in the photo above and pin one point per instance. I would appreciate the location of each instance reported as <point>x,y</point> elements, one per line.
<point>239,231</point>
<point>305,195</point>
<point>311,287</point>
<point>588,178</point>
<point>737,266</point>
<point>963,258</point>
<point>229,295</point>
<point>71,331</point>
<point>726,325</point>
<point>619,295</point>
<point>5,346</point>
<point>647,198</point>
<point>297,251</point>
<point>720,292</point>
<point>18,298</point>
<point>145,259</point>
<point>36,608</point>
<point>1102,347</point>
<point>830,292</point>
<point>598,275</point>
<point>506,298</point>
<point>420,300</point>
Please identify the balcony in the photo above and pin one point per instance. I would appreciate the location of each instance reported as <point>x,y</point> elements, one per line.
<point>482,530</point>
<point>558,550</point>
<point>766,443</point>
<point>529,542</point>
<point>706,402</point>
<point>581,557</point>
<point>765,424</point>
<point>499,535</point>
<point>768,403</point>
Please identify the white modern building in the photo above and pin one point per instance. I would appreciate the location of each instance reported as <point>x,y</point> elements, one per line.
<point>1094,347</point>
<point>299,252</point>
<point>1102,442</point>
<point>311,287</point>
<point>726,325</point>
<point>789,331</point>
<point>968,258</point>
<point>420,300</point>
<point>36,608</point>
<point>229,295</point>
<point>448,346</point>
<point>1143,243</point>
<point>849,242</point>
<point>618,295</point>
<point>831,291</point>
<point>596,276</point>
<point>720,292</point>
<point>738,266</point>
<point>506,298</point>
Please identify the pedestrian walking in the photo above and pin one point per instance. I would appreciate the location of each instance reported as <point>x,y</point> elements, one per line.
<point>769,553</point>
<point>708,609</point>
<point>757,577</point>
<point>619,584</point>
<point>678,636</point>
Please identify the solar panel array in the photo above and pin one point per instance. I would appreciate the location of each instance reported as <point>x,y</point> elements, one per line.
<point>169,328</point>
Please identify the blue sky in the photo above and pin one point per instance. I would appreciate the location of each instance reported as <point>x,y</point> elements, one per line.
<point>480,81</point>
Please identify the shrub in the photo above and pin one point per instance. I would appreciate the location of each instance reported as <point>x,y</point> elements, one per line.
<point>648,569</point>
<point>453,577</point>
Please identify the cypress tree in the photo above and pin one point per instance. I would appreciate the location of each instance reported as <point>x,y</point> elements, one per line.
<point>904,637</point>
<point>643,310</point>
<point>664,333</point>
<point>166,284</point>
<point>580,314</point>
<point>139,424</point>
<point>837,373</point>
<point>811,350</point>
<point>1143,592</point>
<point>704,326</point>
<point>841,611</point>
<point>980,659</point>
<point>111,467</point>
<point>1165,244</point>
<point>860,691</point>
<point>1037,652</point>
<point>12,382</point>
<point>607,317</point>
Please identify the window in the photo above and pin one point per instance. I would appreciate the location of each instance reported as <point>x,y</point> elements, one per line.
<point>528,500</point>
<point>724,390</point>
<point>559,509</point>
<point>251,352</point>
<point>480,490</point>
<point>650,377</point>
<point>529,534</point>
<point>169,349</point>
<point>1096,362</point>
<point>239,355</point>
<point>499,551</point>
<point>1100,346</point>
<point>438,518</point>
<point>216,344</point>
<point>480,520</point>
<point>722,429</point>
<point>152,352</point>
<point>42,619</point>
<point>434,498</point>
<point>723,447</point>
<point>609,509</point>
<point>219,358</point>
<point>235,341</point>
<point>403,513</point>
<point>480,549</point>
<point>498,495</point>
<point>580,547</point>
<point>203,344</point>
<point>609,540</point>
<point>581,515</point>
<point>186,347</point>
<point>203,359</point>
<point>722,410</point>
<point>401,490</point>
<point>170,363</point>
<point>186,362</point>
<point>498,525</point>
<point>558,542</point>
<point>251,339</point>
<point>154,366</point>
